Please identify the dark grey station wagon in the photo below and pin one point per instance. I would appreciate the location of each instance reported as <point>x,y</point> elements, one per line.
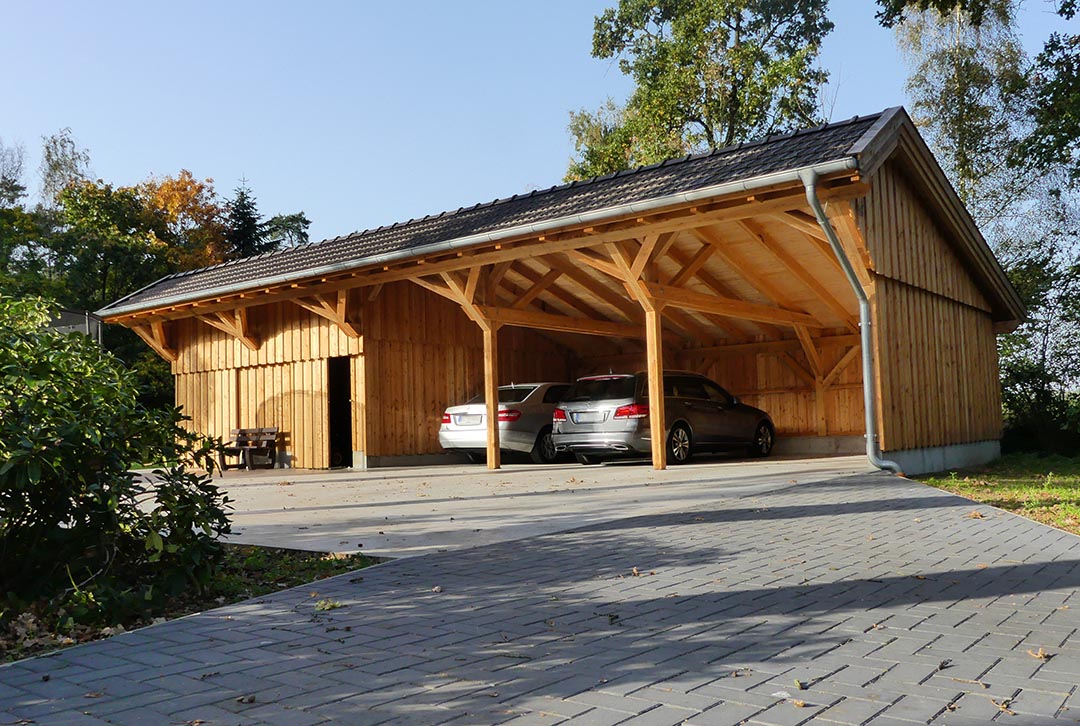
<point>606,416</point>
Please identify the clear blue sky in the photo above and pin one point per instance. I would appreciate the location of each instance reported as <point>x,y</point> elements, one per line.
<point>358,113</point>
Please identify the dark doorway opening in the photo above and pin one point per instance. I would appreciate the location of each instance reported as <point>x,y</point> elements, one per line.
<point>339,410</point>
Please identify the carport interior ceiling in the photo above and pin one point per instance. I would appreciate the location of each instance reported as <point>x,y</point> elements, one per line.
<point>721,248</point>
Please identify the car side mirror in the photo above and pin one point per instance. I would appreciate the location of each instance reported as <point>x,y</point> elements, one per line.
<point>734,400</point>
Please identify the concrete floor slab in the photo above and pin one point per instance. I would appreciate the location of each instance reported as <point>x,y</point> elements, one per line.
<point>412,511</point>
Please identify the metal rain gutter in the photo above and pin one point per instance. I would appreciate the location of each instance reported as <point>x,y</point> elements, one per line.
<point>791,175</point>
<point>873,453</point>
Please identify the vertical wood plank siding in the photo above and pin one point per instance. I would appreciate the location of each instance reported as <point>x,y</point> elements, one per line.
<point>419,353</point>
<point>423,354</point>
<point>936,361</point>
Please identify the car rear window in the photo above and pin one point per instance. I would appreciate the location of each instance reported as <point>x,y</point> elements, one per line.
<point>514,394</point>
<point>602,389</point>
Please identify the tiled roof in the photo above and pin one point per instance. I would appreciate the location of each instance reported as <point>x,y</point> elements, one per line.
<point>774,154</point>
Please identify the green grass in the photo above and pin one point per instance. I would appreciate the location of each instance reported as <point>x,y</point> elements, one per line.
<point>247,572</point>
<point>1043,488</point>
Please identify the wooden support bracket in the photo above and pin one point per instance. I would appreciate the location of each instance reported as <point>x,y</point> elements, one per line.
<point>234,323</point>
<point>157,338</point>
<point>333,309</point>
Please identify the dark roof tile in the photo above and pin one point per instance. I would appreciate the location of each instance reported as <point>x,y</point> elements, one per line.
<point>696,171</point>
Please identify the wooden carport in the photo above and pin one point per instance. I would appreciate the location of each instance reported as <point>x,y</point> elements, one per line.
<point>732,266</point>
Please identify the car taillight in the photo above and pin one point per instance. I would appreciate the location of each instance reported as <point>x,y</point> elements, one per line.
<point>559,415</point>
<point>634,410</point>
<point>509,414</point>
<point>446,417</point>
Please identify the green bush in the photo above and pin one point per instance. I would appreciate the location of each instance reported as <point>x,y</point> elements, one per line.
<point>83,537</point>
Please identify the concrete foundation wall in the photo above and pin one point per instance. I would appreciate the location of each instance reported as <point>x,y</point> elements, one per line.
<point>943,458</point>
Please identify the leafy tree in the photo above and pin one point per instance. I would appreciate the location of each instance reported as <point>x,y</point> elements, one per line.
<point>79,531</point>
<point>708,73</point>
<point>12,189</point>
<point>1054,108</point>
<point>193,218</point>
<point>892,11</point>
<point>967,89</point>
<point>63,162</point>
<point>111,244</point>
<point>246,234</point>
<point>287,230</point>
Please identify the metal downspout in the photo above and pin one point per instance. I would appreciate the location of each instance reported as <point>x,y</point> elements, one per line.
<point>873,453</point>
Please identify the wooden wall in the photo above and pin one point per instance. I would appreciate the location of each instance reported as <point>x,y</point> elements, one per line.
<point>222,384</point>
<point>936,359</point>
<point>418,354</point>
<point>423,355</point>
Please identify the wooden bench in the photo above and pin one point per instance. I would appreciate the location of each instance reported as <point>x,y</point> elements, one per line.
<point>246,444</point>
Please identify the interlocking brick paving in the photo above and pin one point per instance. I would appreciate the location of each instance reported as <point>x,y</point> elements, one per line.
<point>867,599</point>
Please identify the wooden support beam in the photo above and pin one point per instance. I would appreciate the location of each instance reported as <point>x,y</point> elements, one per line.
<point>374,291</point>
<point>771,347</point>
<point>691,266</point>
<point>547,321</point>
<point>611,296</point>
<point>234,324</point>
<point>728,307</point>
<point>491,394</point>
<point>471,283</point>
<point>155,336</point>
<point>842,218</point>
<point>809,349</point>
<point>592,260</point>
<point>797,368</point>
<point>437,288</point>
<point>654,354</point>
<point>498,271</point>
<point>333,309</point>
<point>805,223</point>
<point>536,288</point>
<point>756,232</point>
<point>841,364</point>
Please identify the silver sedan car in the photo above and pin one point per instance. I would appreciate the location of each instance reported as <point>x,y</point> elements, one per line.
<point>607,416</point>
<point>525,412</point>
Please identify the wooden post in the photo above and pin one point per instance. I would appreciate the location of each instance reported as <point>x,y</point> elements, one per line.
<point>491,392</point>
<point>654,344</point>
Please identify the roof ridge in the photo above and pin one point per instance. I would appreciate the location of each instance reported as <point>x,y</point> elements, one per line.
<point>577,183</point>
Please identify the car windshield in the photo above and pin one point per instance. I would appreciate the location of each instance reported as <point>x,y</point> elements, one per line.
<point>601,389</point>
<point>508,394</point>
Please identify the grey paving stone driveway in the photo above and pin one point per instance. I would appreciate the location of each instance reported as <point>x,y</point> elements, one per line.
<point>866,599</point>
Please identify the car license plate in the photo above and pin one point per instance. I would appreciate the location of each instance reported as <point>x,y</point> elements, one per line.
<point>470,419</point>
<point>589,417</point>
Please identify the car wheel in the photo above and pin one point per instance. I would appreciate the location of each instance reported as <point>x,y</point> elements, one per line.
<point>679,445</point>
<point>588,459</point>
<point>764,438</point>
<point>543,451</point>
<point>474,457</point>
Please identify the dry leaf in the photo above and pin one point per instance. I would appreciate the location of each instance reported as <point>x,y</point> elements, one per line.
<point>93,694</point>
<point>944,664</point>
<point>1003,706</point>
<point>951,706</point>
<point>437,588</point>
<point>635,572</point>
<point>1041,655</point>
<point>800,685</point>
<point>976,514</point>
<point>798,704</point>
